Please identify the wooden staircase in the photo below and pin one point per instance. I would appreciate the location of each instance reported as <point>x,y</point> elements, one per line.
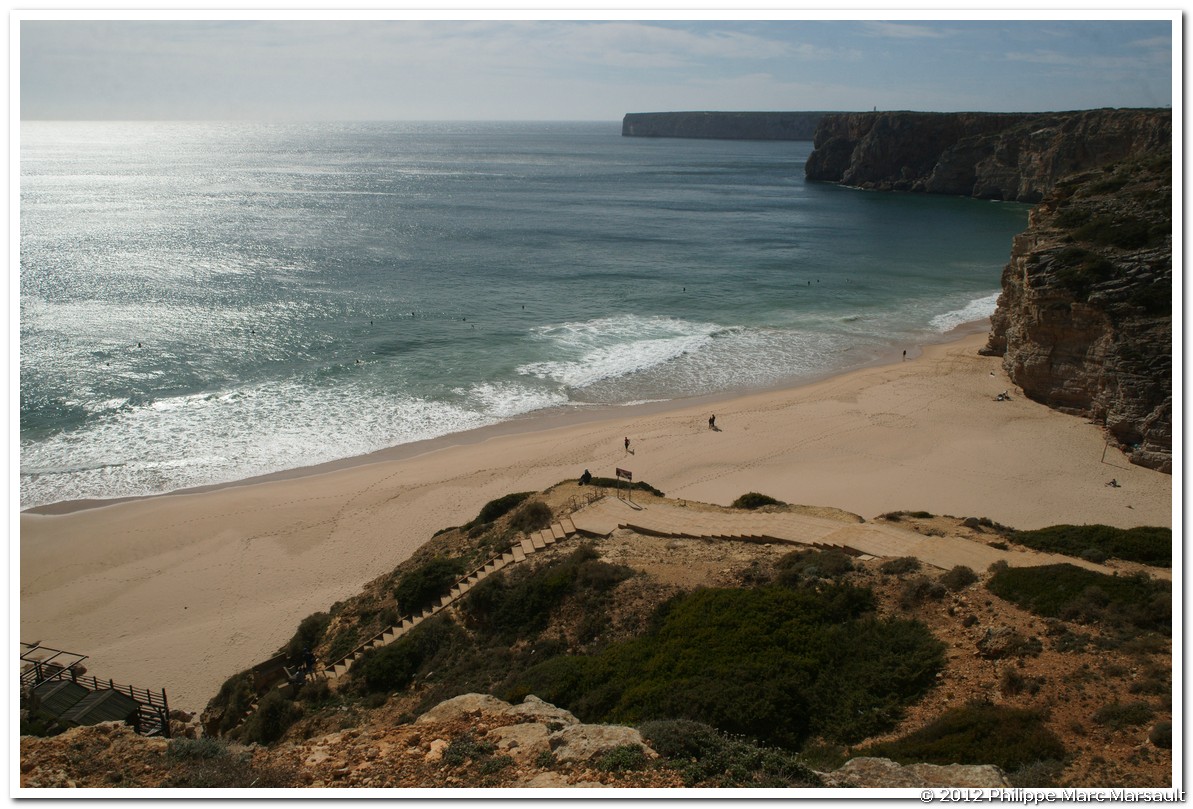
<point>529,545</point>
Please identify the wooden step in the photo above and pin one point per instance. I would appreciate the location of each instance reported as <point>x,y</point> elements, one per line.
<point>548,537</point>
<point>536,539</point>
<point>519,554</point>
<point>557,531</point>
<point>527,546</point>
<point>569,527</point>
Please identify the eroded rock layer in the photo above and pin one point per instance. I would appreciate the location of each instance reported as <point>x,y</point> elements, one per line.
<point>1007,156</point>
<point>1084,322</point>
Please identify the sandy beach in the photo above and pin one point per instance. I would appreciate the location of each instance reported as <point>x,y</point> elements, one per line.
<point>182,591</point>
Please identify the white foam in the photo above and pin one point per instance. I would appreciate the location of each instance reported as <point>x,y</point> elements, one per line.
<point>977,309</point>
<point>608,348</point>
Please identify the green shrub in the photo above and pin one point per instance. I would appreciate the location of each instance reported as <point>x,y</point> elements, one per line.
<point>466,747</point>
<point>1127,232</point>
<point>309,633</point>
<point>903,564</point>
<point>231,771</point>
<point>393,667</point>
<point>705,757</point>
<point>533,516</point>
<point>520,604</point>
<point>978,733</point>
<point>1161,735</point>
<point>315,691</point>
<point>1154,681</point>
<point>1014,683</point>
<point>1147,545</point>
<point>1080,270</point>
<point>495,509</point>
<point>753,500</point>
<point>959,578</point>
<point>234,697</point>
<point>196,748</point>
<point>274,715</point>
<point>917,590</point>
<point>1117,716</point>
<point>814,564</point>
<point>1076,594</point>
<point>772,663</point>
<point>345,639</point>
<point>421,587</point>
<point>623,758</point>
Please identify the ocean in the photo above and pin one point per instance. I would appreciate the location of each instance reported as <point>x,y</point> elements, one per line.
<point>205,302</point>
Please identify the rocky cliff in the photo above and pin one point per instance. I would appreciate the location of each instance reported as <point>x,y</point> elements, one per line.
<point>724,125</point>
<point>1084,322</point>
<point>1006,156</point>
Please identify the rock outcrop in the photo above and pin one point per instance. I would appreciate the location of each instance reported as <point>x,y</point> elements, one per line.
<point>723,125</point>
<point>884,773</point>
<point>1004,156</point>
<point>1084,321</point>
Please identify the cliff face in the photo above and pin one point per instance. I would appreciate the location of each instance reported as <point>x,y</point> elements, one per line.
<point>1012,156</point>
<point>724,125</point>
<point>1084,322</point>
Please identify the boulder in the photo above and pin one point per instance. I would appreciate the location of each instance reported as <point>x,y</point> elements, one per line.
<point>463,706</point>
<point>581,743</point>
<point>884,773</point>
<point>523,740</point>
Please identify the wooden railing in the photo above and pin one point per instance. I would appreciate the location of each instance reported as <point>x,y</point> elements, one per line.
<point>153,715</point>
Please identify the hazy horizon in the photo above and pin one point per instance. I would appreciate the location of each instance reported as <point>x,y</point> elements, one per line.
<point>564,70</point>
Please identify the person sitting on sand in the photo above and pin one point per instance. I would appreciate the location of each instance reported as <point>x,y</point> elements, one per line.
<point>585,478</point>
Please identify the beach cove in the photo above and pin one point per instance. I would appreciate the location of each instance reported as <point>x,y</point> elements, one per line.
<point>181,591</point>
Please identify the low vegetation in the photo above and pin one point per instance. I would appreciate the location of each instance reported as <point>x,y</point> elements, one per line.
<point>211,764</point>
<point>1147,545</point>
<point>495,509</point>
<point>978,733</point>
<point>422,586</point>
<point>752,500</point>
<point>899,566</point>
<point>518,605</point>
<point>810,565</point>
<point>770,663</point>
<point>706,757</point>
<point>1072,593</point>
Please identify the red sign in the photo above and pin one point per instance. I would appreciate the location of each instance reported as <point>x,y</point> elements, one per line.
<point>625,473</point>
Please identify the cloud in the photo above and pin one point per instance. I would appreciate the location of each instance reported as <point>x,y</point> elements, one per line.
<point>898,30</point>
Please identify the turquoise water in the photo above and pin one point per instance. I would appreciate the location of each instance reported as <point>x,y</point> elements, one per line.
<point>202,302</point>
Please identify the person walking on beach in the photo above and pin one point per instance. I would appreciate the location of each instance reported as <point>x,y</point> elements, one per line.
<point>627,444</point>
<point>712,422</point>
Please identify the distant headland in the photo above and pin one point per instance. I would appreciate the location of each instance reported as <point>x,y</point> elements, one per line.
<point>722,125</point>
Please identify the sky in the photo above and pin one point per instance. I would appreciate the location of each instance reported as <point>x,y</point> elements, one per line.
<point>595,69</point>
